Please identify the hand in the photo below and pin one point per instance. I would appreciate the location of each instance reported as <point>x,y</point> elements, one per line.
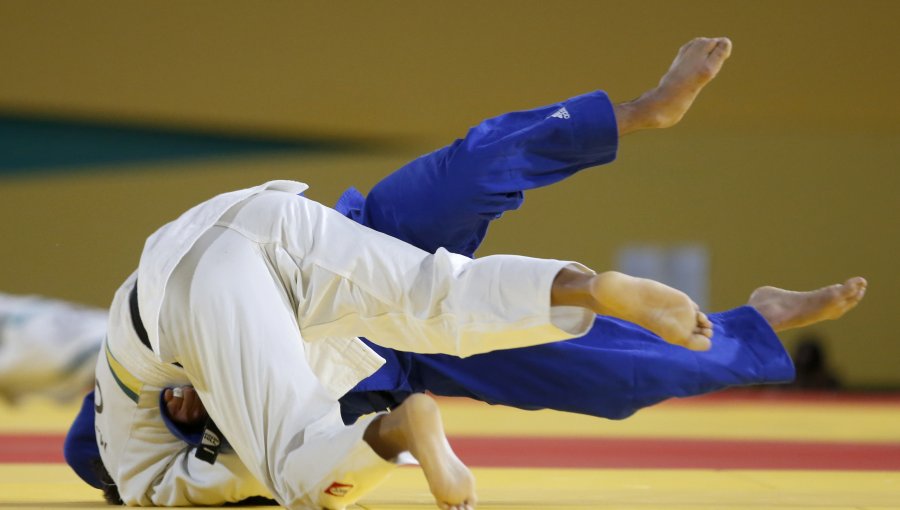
<point>184,406</point>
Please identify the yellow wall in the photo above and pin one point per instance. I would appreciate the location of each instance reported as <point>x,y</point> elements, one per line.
<point>787,168</point>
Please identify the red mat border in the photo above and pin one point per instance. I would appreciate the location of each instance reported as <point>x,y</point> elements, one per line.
<point>558,452</point>
<point>675,454</point>
<point>765,397</point>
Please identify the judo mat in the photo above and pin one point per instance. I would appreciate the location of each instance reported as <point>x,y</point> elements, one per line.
<point>758,449</point>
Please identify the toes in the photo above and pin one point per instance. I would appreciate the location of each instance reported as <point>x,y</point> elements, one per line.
<point>467,504</point>
<point>684,47</point>
<point>697,45</point>
<point>697,342</point>
<point>703,321</point>
<point>461,506</point>
<point>705,44</point>
<point>860,285</point>
<point>853,289</point>
<point>856,283</point>
<point>717,47</point>
<point>704,326</point>
<point>722,48</point>
<point>707,332</point>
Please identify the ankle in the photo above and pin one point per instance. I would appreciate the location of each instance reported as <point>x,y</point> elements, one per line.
<point>574,288</point>
<point>606,290</point>
<point>644,112</point>
<point>385,438</point>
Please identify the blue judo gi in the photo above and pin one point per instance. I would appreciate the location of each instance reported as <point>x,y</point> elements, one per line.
<point>448,198</point>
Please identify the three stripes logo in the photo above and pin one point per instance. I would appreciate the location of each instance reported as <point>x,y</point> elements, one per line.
<point>562,113</point>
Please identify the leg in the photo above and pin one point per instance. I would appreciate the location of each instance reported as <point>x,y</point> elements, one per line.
<point>346,280</point>
<point>449,198</point>
<point>619,368</point>
<point>615,370</point>
<point>415,426</point>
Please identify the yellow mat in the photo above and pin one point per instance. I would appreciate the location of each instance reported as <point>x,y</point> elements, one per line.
<point>32,486</point>
<point>54,486</point>
<point>697,418</point>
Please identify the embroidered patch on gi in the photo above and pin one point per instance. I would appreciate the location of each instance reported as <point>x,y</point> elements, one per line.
<point>339,489</point>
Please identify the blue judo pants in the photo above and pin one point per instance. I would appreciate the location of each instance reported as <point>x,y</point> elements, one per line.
<point>448,199</point>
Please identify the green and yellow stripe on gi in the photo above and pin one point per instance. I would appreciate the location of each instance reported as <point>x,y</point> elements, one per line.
<point>128,383</point>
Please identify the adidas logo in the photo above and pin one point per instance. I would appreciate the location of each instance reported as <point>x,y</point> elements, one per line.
<point>562,113</point>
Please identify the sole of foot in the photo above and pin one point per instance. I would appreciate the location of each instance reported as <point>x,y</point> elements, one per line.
<point>665,311</point>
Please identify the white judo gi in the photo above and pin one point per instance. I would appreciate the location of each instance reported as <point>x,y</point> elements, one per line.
<point>259,296</point>
<point>47,347</point>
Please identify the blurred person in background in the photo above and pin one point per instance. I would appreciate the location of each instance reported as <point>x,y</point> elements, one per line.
<point>48,347</point>
<point>813,372</point>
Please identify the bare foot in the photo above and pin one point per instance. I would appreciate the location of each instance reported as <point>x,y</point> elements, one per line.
<point>696,64</point>
<point>785,309</point>
<point>416,426</point>
<point>668,312</point>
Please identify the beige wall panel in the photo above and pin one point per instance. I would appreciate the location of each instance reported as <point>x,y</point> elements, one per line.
<point>797,212</point>
<point>787,169</point>
<point>427,68</point>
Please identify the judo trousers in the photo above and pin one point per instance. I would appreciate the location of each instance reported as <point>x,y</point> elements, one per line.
<point>612,372</point>
<point>448,199</point>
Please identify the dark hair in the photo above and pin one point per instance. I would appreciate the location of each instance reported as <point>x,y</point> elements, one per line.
<point>110,489</point>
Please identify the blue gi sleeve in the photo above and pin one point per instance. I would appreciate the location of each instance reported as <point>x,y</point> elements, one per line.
<point>191,434</point>
<point>80,448</point>
<point>449,197</point>
<point>194,434</point>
